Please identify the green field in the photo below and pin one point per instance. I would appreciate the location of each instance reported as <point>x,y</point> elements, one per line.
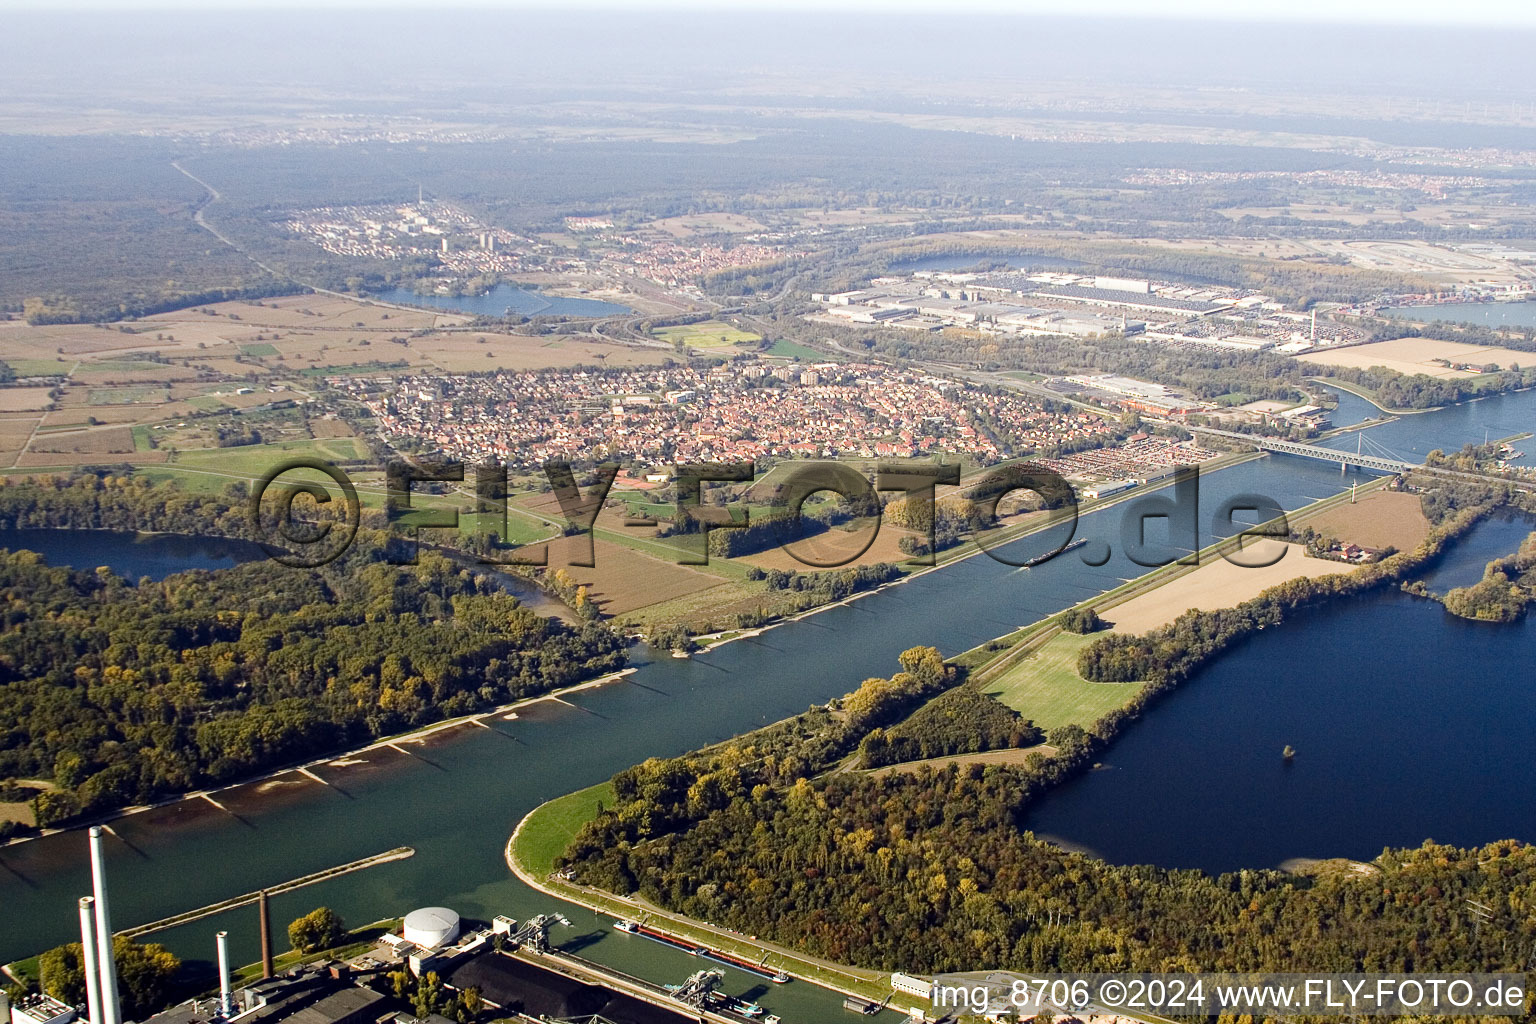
<point>256,459</point>
<point>707,335</point>
<point>207,403</point>
<point>795,350</point>
<point>123,365</point>
<point>550,828</point>
<point>141,441</point>
<point>260,349</point>
<point>126,396</point>
<point>354,369</point>
<point>1046,688</point>
<point>519,529</point>
<point>40,367</point>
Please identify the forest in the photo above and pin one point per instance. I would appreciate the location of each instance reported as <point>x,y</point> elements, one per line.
<point>961,721</point>
<point>1503,594</point>
<point>122,692</point>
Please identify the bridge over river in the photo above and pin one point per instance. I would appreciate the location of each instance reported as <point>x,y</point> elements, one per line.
<point>1313,451</point>
<point>1360,459</point>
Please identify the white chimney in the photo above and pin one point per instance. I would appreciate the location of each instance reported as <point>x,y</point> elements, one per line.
<point>91,964</point>
<point>111,1013</point>
<point>226,1003</point>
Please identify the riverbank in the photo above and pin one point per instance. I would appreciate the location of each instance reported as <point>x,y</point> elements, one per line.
<point>971,548</point>
<point>555,823</point>
<point>338,758</point>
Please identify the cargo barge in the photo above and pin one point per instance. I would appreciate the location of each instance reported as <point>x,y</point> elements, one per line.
<point>693,949</point>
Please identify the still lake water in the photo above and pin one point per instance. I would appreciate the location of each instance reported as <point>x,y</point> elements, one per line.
<point>1204,801</point>
<point>1490,314</point>
<point>504,298</point>
<point>156,555</point>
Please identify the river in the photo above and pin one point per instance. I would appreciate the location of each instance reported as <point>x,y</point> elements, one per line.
<point>457,801</point>
<point>1488,314</point>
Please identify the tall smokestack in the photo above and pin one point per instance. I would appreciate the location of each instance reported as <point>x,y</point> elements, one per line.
<point>266,936</point>
<point>226,1003</point>
<point>91,964</point>
<point>106,959</point>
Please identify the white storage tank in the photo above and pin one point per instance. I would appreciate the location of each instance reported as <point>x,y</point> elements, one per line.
<point>431,927</point>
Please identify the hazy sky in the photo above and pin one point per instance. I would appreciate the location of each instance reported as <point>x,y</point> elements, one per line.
<point>1464,12</point>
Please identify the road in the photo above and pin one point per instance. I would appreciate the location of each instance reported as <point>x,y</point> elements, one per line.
<point>202,222</point>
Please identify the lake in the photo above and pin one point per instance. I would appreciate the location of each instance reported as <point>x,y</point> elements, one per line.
<point>1490,314</point>
<point>505,299</point>
<point>1408,724</point>
<point>132,556</point>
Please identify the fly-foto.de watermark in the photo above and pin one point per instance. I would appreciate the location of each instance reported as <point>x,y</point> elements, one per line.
<point>320,528</point>
<point>1018,996</point>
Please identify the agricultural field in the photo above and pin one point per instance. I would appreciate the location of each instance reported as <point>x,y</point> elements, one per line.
<point>1220,584</point>
<point>786,349</point>
<point>834,548</point>
<point>710,334</point>
<point>251,461</point>
<point>136,395</point>
<point>24,399</point>
<point>465,352</point>
<point>623,579</point>
<point>1418,355</point>
<point>1046,688</point>
<point>1378,520</point>
<point>691,225</point>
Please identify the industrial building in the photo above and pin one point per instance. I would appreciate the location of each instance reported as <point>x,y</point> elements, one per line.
<point>520,987</point>
<point>314,996</point>
<point>431,927</point>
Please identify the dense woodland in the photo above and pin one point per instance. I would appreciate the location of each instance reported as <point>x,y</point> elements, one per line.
<point>1505,591</point>
<point>121,692</point>
<point>932,870</point>
<point>962,721</point>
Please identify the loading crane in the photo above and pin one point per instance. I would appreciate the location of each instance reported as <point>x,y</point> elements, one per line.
<point>534,933</point>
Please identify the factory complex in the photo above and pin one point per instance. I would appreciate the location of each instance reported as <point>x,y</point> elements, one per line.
<point>1010,303</point>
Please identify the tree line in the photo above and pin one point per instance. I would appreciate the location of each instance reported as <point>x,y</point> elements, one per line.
<point>960,721</point>
<point>123,692</point>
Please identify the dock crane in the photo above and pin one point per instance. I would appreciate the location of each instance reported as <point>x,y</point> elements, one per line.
<point>698,988</point>
<point>534,933</point>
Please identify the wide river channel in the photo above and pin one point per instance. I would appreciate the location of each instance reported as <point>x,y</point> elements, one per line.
<point>1408,724</point>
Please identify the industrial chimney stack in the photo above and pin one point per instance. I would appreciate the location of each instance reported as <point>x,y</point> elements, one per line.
<point>226,1001</point>
<point>266,936</point>
<point>106,960</point>
<point>91,964</point>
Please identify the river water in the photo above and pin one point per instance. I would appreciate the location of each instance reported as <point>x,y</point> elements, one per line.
<point>457,800</point>
<point>1489,314</point>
